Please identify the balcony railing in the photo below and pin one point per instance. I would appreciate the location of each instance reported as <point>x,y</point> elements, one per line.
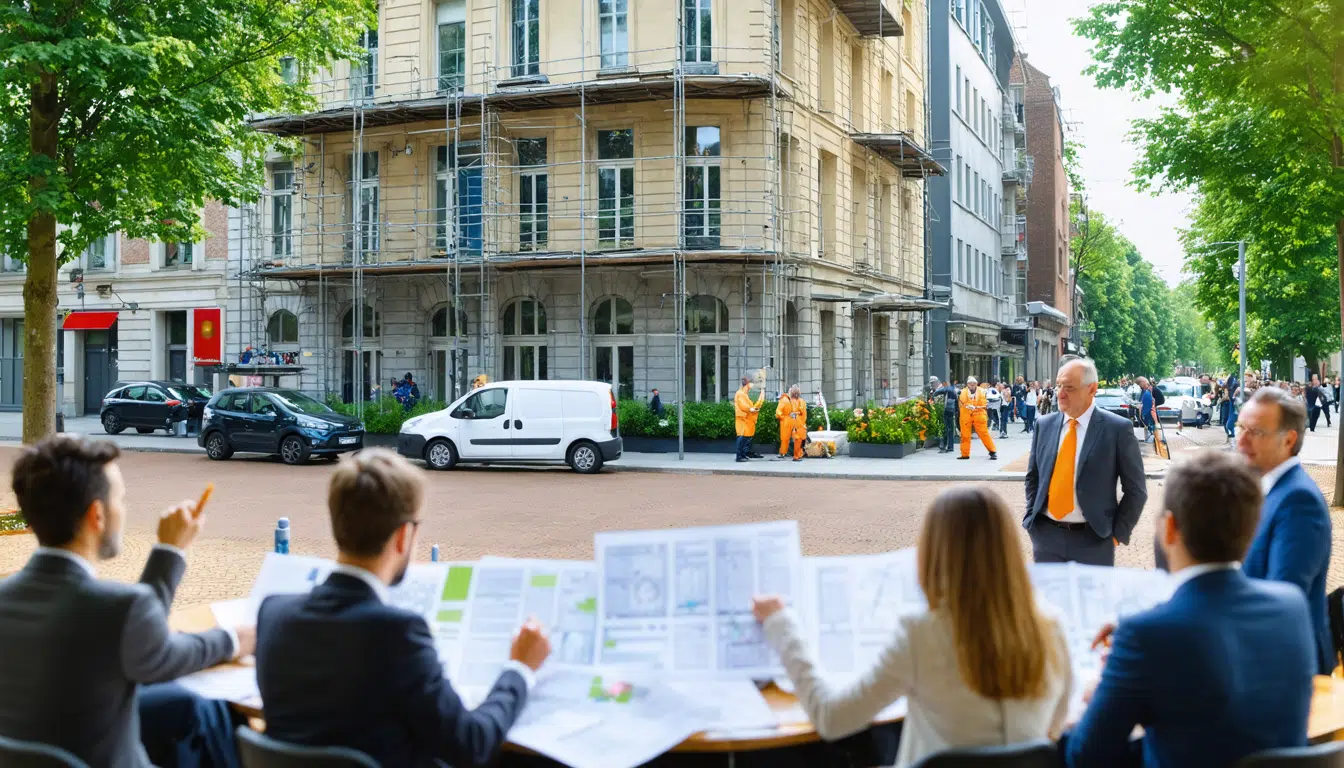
<point>1013,235</point>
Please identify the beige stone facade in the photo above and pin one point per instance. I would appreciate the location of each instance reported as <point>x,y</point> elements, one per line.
<point>742,178</point>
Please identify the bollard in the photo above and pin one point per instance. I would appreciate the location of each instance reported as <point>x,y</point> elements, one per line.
<point>282,536</point>
<point>434,554</point>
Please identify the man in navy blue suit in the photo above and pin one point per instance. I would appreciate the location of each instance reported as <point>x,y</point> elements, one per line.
<point>1224,668</point>
<point>341,667</point>
<point>1293,541</point>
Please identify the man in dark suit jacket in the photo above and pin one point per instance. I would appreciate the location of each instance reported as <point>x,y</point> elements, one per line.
<point>341,667</point>
<point>1221,670</point>
<point>1077,455</point>
<point>1293,541</point>
<point>74,649</point>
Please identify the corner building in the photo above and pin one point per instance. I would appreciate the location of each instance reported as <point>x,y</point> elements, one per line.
<point>646,192</point>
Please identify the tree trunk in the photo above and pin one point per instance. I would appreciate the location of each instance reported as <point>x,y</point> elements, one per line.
<point>39,288</point>
<point>1339,255</point>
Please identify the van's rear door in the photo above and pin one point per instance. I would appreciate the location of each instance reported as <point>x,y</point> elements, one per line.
<point>538,424</point>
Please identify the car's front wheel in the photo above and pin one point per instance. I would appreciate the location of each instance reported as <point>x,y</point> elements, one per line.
<point>585,459</point>
<point>112,423</point>
<point>293,451</point>
<point>441,455</point>
<point>217,447</point>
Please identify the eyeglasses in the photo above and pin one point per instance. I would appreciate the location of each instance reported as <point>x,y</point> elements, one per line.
<point>1256,432</point>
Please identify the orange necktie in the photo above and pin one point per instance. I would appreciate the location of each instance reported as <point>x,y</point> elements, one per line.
<point>1060,500</point>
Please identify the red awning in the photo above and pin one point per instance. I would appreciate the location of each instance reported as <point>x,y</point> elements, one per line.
<point>89,321</point>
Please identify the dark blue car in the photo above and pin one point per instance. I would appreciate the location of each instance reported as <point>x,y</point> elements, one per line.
<point>280,422</point>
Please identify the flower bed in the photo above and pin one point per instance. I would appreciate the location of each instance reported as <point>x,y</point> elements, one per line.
<point>711,421</point>
<point>13,524</point>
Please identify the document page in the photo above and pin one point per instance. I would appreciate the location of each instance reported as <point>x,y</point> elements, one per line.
<point>680,600</point>
<point>562,595</point>
<point>420,589</point>
<point>851,604</point>
<point>1089,596</point>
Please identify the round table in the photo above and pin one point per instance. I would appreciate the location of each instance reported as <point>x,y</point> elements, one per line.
<point>1326,722</point>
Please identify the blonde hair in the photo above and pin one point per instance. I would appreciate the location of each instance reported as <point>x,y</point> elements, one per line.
<point>972,571</point>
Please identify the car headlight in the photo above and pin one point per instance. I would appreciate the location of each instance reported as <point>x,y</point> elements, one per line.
<point>206,414</point>
<point>411,423</point>
<point>317,424</point>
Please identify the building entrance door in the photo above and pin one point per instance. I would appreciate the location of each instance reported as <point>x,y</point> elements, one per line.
<point>100,364</point>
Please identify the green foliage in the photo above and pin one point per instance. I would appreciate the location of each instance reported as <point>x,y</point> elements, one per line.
<point>385,415</point>
<point>1073,165</point>
<point>710,421</point>
<point>12,522</point>
<point>890,425</point>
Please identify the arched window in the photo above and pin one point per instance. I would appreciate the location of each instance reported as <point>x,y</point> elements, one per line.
<point>524,358</point>
<point>614,358</point>
<point>706,364</point>
<point>613,316</point>
<point>443,325</point>
<point>283,327</point>
<point>373,323</point>
<point>706,314</point>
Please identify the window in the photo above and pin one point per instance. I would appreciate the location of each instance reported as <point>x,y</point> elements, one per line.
<point>100,254</point>
<point>486,404</point>
<point>526,37</point>
<point>706,363</point>
<point>908,31</point>
<point>702,187</point>
<point>613,361</point>
<point>372,326</point>
<point>613,28</point>
<point>532,200</point>
<point>452,42</point>
<point>698,31</point>
<point>283,327</point>
<point>362,205</point>
<point>706,314</point>
<point>827,64</point>
<point>957,104</point>
<point>177,254</point>
<point>524,358</point>
<point>457,190</point>
<point>282,208</point>
<point>289,70</point>
<point>960,173</point>
<point>616,188</point>
<point>958,7</point>
<point>787,32</point>
<point>960,266</point>
<point>364,71</point>
<point>966,105</point>
<point>447,325</point>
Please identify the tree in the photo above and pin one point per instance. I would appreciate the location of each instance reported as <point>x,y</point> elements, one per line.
<point>1195,341</point>
<point>117,115</point>
<point>1108,301</point>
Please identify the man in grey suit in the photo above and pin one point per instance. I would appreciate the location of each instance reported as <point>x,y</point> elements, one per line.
<point>1078,454</point>
<point>74,650</point>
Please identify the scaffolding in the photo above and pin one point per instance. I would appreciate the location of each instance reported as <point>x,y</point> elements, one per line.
<point>405,174</point>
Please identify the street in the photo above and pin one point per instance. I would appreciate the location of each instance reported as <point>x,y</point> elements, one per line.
<point>527,513</point>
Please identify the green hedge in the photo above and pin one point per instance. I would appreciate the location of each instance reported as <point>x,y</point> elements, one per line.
<point>713,421</point>
<point>12,522</point>
<point>385,415</point>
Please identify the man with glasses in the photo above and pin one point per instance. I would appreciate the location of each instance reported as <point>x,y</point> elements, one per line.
<point>341,667</point>
<point>1292,542</point>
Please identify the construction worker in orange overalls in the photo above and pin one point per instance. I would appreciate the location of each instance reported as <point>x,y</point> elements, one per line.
<point>744,411</point>
<point>783,414</point>
<point>975,415</point>
<point>796,422</point>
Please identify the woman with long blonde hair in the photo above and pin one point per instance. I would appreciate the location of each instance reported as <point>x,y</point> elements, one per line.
<point>985,664</point>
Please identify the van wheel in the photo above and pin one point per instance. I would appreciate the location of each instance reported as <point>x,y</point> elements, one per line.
<point>585,459</point>
<point>441,455</point>
<point>293,451</point>
<point>217,447</point>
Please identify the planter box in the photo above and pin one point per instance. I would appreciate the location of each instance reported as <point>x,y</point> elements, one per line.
<point>876,451</point>
<point>669,445</point>
<point>372,440</point>
<point>7,531</point>
<point>932,442</point>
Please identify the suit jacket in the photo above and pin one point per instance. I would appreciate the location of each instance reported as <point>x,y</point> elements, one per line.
<point>1109,453</point>
<point>1292,544</point>
<point>337,667</point>
<point>1220,671</point>
<point>73,649</point>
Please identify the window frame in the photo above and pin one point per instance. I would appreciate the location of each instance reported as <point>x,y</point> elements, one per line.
<point>280,314</point>
<point>621,169</point>
<point>614,46</point>
<point>282,202</point>
<point>455,81</point>
<point>356,189</point>
<point>525,35</point>
<point>376,319</point>
<point>708,164</point>
<point>533,183</point>
<point>697,22</point>
<point>364,71</point>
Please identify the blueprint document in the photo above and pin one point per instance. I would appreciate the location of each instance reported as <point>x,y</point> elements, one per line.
<point>680,600</point>
<point>1090,596</point>
<point>851,604</point>
<point>279,575</point>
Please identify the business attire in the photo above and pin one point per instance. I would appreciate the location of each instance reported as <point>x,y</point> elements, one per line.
<point>74,651</point>
<point>1220,671</point>
<point>340,667</point>
<point>1292,544</point>
<point>1073,513</point>
<point>656,405</point>
<point>920,662</point>
<point>949,394</point>
<point>1314,398</point>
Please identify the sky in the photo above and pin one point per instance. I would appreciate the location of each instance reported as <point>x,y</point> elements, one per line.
<point>1100,121</point>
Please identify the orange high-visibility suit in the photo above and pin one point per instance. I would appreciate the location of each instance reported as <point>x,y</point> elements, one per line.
<point>744,412</point>
<point>782,415</point>
<point>974,414</point>
<point>794,426</point>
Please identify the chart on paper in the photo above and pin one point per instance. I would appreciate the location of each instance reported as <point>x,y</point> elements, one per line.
<point>851,605</point>
<point>680,600</point>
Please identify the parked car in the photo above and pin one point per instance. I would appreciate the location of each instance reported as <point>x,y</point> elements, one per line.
<point>1183,401</point>
<point>150,405</point>
<point>515,422</point>
<point>281,422</point>
<point>1117,402</point>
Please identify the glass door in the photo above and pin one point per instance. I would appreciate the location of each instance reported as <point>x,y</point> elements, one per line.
<point>615,364</point>
<point>371,365</point>
<point>450,374</point>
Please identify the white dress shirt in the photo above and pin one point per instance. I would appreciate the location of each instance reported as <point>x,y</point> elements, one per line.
<point>1031,398</point>
<point>93,574</point>
<point>1272,477</point>
<point>1076,516</point>
<point>1185,574</point>
<point>381,592</point>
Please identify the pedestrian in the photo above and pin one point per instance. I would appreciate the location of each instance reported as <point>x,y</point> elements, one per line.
<point>745,418</point>
<point>656,404</point>
<point>974,416</point>
<point>949,395</point>
<point>1231,388</point>
<point>1030,400</point>
<point>1313,398</point>
<point>994,400</point>
<point>1147,409</point>
<point>1005,408</point>
<point>1336,393</point>
<point>1019,399</point>
<point>1326,399</point>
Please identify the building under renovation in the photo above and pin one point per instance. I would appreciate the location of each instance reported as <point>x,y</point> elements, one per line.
<point>651,193</point>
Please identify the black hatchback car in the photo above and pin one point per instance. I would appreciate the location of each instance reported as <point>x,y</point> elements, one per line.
<point>150,405</point>
<point>281,422</point>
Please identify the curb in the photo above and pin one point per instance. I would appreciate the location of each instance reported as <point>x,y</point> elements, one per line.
<point>14,442</point>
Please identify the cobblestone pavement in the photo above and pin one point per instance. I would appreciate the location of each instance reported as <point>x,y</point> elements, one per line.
<point>523,513</point>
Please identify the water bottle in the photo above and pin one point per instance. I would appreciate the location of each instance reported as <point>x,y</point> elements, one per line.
<point>434,554</point>
<point>282,536</point>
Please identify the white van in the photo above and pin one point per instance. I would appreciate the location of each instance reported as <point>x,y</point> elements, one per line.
<point>516,422</point>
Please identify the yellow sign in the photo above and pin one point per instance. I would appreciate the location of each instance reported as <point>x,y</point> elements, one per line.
<point>207,329</point>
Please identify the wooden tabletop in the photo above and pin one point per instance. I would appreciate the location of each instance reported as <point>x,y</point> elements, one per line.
<point>1326,722</point>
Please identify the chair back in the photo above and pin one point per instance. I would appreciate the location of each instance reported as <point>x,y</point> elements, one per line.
<point>30,754</point>
<point>1328,755</point>
<point>1334,609</point>
<point>261,751</point>
<point>1041,753</point>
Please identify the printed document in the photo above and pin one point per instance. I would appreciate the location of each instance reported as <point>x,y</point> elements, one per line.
<point>851,605</point>
<point>680,600</point>
<point>1090,596</point>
